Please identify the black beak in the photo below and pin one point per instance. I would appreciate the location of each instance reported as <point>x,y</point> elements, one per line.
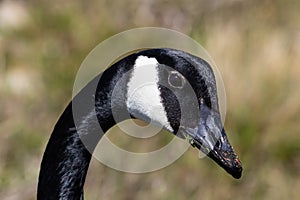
<point>210,138</point>
<point>221,152</point>
<point>223,155</point>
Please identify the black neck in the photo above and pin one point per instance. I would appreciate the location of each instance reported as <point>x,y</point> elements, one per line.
<point>66,158</point>
<point>65,162</point>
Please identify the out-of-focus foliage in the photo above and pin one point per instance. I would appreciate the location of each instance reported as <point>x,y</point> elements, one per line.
<point>256,45</point>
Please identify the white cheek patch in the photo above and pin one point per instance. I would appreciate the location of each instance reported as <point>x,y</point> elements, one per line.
<point>143,94</point>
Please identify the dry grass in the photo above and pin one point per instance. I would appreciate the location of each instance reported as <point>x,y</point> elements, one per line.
<point>256,45</point>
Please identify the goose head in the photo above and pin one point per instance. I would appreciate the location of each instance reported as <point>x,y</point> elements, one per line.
<point>172,89</point>
<point>177,91</point>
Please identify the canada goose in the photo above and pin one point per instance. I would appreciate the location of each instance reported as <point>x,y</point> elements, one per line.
<point>66,159</point>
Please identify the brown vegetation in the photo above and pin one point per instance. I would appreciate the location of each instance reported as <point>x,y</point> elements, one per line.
<point>256,45</point>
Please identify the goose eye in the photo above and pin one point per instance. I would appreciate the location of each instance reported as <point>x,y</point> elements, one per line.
<point>176,80</point>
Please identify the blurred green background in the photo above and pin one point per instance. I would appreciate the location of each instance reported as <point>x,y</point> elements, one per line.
<point>256,45</point>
